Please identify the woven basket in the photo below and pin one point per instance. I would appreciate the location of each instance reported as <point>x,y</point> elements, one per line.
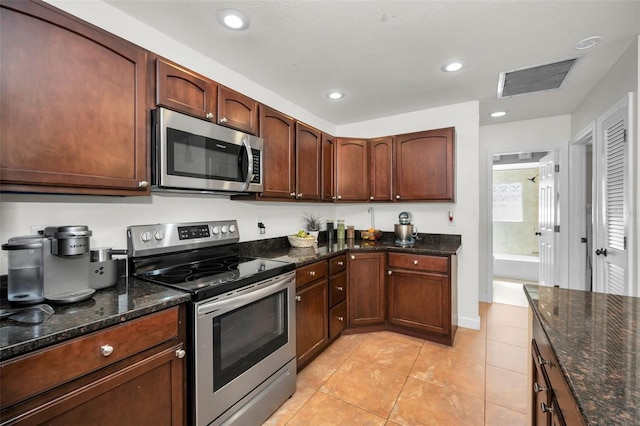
<point>296,241</point>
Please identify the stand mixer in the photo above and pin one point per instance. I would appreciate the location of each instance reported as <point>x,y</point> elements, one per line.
<point>405,231</point>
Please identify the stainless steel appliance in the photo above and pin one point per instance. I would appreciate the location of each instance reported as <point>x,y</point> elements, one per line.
<point>195,155</point>
<point>405,232</point>
<point>103,268</point>
<point>53,265</point>
<point>242,347</point>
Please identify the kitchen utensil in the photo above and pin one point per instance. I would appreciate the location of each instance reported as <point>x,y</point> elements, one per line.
<point>25,281</point>
<point>103,269</point>
<point>405,232</point>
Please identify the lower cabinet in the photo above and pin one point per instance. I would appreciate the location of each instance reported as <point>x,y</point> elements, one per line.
<point>312,329</point>
<point>367,298</point>
<point>337,295</point>
<point>127,374</point>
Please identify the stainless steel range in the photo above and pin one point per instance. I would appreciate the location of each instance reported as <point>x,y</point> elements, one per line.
<point>242,317</point>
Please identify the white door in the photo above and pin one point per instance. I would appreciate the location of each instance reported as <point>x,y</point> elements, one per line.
<point>548,226</point>
<point>610,247</point>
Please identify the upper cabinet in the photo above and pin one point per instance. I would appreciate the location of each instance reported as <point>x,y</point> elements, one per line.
<point>278,154</point>
<point>182,90</point>
<point>73,116</point>
<point>381,169</point>
<point>352,174</point>
<point>424,166</point>
<point>237,110</point>
<point>308,162</point>
<point>328,168</point>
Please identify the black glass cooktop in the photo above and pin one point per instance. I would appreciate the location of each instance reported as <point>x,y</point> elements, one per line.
<point>208,278</point>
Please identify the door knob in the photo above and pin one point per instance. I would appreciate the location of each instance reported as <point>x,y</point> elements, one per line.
<point>538,233</point>
<point>602,251</point>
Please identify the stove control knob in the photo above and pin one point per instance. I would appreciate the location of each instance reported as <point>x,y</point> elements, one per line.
<point>215,230</point>
<point>159,235</point>
<point>146,236</point>
<point>232,229</point>
<point>224,229</point>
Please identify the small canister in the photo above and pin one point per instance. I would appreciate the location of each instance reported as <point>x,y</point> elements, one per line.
<point>351,232</point>
<point>341,229</point>
<point>25,281</point>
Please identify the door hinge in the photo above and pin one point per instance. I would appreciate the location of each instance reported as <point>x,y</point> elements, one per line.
<point>624,243</point>
<point>624,135</point>
<point>556,228</point>
<point>556,168</point>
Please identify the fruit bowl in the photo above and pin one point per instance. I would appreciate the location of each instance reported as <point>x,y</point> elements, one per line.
<point>371,234</point>
<point>296,241</point>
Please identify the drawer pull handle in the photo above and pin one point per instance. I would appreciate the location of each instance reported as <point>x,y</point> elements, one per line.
<point>340,288</point>
<point>545,408</point>
<point>180,353</point>
<point>312,273</point>
<point>298,298</point>
<point>543,361</point>
<point>340,263</point>
<point>415,262</point>
<point>537,388</point>
<point>341,319</point>
<point>106,350</point>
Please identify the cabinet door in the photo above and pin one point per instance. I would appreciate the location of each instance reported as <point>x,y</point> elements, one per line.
<point>308,162</point>
<point>237,111</point>
<point>150,391</point>
<point>420,301</point>
<point>182,90</point>
<point>366,290</point>
<point>541,394</point>
<point>73,115</point>
<point>380,169</point>
<point>425,166</point>
<point>279,135</point>
<point>312,331</point>
<point>352,174</point>
<point>328,168</point>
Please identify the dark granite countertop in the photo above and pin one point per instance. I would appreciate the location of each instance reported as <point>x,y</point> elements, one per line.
<point>128,299</point>
<point>596,340</point>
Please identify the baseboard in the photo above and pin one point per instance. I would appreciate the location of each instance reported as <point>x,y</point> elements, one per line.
<point>472,323</point>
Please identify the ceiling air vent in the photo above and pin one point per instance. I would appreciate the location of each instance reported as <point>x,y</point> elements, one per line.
<point>534,79</point>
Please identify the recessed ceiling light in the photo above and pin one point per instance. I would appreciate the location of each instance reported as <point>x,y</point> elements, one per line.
<point>588,42</point>
<point>453,66</point>
<point>498,114</point>
<point>335,95</point>
<point>233,19</point>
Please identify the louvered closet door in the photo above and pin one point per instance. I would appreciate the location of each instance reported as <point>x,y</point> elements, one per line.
<point>610,250</point>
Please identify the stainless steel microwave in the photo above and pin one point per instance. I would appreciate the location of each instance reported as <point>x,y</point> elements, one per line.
<point>194,155</point>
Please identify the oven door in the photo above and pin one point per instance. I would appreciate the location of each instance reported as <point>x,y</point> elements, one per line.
<point>241,340</point>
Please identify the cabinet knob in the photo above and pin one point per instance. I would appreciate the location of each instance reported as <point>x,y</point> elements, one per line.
<point>223,120</point>
<point>388,272</point>
<point>340,288</point>
<point>312,273</point>
<point>341,319</point>
<point>537,388</point>
<point>143,184</point>
<point>299,195</point>
<point>371,198</point>
<point>340,263</point>
<point>209,115</point>
<point>298,298</point>
<point>545,408</point>
<point>180,353</point>
<point>397,197</point>
<point>293,194</point>
<point>353,257</point>
<point>333,198</point>
<point>106,350</point>
<point>415,262</point>
<point>339,197</point>
<point>542,361</point>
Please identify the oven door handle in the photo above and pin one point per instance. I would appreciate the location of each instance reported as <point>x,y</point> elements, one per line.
<point>241,299</point>
<point>245,142</point>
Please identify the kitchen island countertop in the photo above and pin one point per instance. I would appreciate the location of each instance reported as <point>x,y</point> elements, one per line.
<point>596,339</point>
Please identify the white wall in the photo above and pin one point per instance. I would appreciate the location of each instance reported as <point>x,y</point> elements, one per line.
<point>543,134</point>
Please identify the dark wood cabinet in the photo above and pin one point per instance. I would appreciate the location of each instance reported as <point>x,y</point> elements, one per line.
<point>308,162</point>
<point>381,169</point>
<point>328,168</point>
<point>352,173</point>
<point>337,295</point>
<point>237,111</point>
<point>366,291</point>
<point>142,379</point>
<point>420,295</point>
<point>424,166</point>
<point>73,110</point>
<point>312,328</point>
<point>183,90</point>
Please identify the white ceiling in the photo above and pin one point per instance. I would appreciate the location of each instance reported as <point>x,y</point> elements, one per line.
<point>386,55</point>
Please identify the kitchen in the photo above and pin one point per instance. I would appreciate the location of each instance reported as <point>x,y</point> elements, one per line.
<point>110,216</point>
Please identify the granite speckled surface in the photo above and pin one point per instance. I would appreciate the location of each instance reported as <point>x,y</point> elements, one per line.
<point>596,340</point>
<point>128,299</point>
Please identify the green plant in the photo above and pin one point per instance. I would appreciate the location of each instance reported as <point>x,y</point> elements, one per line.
<point>311,221</point>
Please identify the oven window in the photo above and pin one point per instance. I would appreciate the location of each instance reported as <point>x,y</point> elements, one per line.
<point>200,157</point>
<point>244,337</point>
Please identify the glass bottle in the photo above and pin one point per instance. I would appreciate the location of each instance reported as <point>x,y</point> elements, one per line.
<point>341,229</point>
<point>351,233</point>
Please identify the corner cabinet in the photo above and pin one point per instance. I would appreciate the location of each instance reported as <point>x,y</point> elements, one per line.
<point>312,329</point>
<point>367,296</point>
<point>132,373</point>
<point>308,164</point>
<point>424,166</point>
<point>73,110</point>
<point>381,169</point>
<point>352,174</point>
<point>328,168</point>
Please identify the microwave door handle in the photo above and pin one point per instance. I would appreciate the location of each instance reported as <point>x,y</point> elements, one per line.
<point>249,163</point>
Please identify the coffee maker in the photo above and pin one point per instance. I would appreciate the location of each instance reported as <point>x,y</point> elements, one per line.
<point>51,266</point>
<point>405,231</point>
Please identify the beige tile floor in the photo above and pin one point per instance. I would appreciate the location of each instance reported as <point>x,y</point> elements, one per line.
<point>390,379</point>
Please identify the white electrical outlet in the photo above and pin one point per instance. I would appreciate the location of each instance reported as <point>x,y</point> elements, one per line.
<point>36,228</point>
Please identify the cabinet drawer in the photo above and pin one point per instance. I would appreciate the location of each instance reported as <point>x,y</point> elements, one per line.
<point>337,264</point>
<point>337,288</point>
<point>45,369</point>
<point>337,319</point>
<point>310,273</point>
<point>419,262</point>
